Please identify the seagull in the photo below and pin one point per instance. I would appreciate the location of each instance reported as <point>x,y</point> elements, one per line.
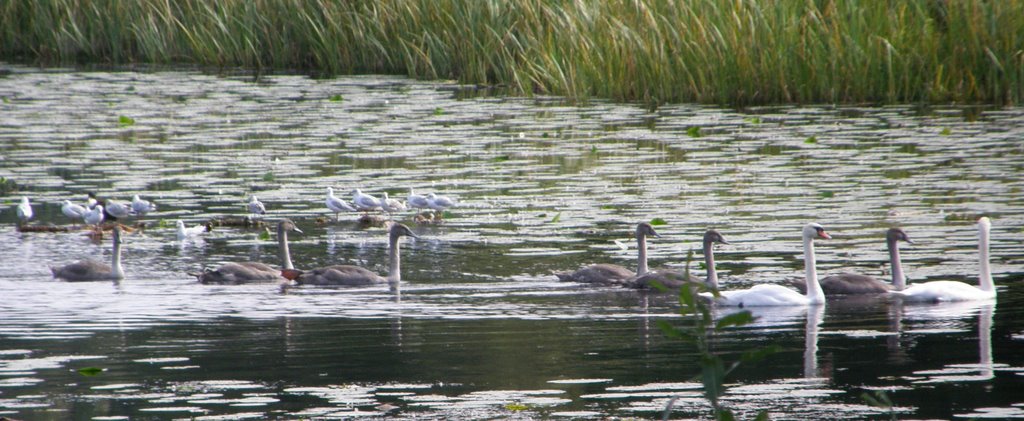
<point>337,205</point>
<point>256,207</point>
<point>95,216</point>
<point>24,210</point>
<point>116,209</point>
<point>439,203</point>
<point>417,201</point>
<point>91,201</point>
<point>365,202</point>
<point>142,207</point>
<point>184,233</point>
<point>391,205</point>
<point>72,211</point>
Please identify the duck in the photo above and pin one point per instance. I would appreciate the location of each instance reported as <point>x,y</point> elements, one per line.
<point>941,291</point>
<point>609,274</point>
<point>254,272</point>
<point>91,270</point>
<point>675,279</point>
<point>778,295</point>
<point>348,275</point>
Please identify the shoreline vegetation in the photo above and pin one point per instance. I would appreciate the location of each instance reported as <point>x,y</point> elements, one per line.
<point>726,52</point>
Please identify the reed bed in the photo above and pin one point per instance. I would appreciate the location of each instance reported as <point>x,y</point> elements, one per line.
<point>734,52</point>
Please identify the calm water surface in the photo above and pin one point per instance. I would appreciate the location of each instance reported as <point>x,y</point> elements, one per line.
<point>481,328</point>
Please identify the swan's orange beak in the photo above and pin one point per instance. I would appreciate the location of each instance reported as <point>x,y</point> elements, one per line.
<point>823,234</point>
<point>290,274</point>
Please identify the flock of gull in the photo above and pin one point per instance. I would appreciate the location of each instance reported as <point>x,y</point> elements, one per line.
<point>811,292</point>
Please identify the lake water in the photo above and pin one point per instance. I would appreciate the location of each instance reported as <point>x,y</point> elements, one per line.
<point>481,328</point>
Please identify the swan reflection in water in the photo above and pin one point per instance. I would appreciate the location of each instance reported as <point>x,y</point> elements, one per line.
<point>942,318</point>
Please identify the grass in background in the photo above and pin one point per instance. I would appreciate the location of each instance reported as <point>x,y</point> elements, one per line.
<point>734,52</point>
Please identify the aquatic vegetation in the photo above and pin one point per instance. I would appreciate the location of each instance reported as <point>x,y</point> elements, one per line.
<point>716,51</point>
<point>125,121</point>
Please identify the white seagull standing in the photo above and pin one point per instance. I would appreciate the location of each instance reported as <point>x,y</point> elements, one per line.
<point>391,205</point>
<point>256,207</point>
<point>24,210</point>
<point>72,211</point>
<point>116,209</point>
<point>337,205</point>
<point>142,207</point>
<point>417,201</point>
<point>439,203</point>
<point>365,202</point>
<point>94,216</point>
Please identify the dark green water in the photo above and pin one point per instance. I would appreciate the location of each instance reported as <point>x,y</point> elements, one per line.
<point>481,327</point>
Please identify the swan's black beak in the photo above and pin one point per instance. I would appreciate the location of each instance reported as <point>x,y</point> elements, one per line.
<point>412,234</point>
<point>909,241</point>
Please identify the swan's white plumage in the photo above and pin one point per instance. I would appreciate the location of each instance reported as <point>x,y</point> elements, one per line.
<point>954,290</point>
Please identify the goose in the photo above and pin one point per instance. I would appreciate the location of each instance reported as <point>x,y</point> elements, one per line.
<point>853,283</point>
<point>142,207</point>
<point>116,209</point>
<point>675,279</point>
<point>24,210</point>
<point>72,211</point>
<point>94,216</point>
<point>256,207</point>
<point>364,202</point>
<point>604,273</point>
<point>185,232</point>
<point>253,272</point>
<point>337,205</point>
<point>390,205</point>
<point>347,275</point>
<point>777,295</point>
<point>417,201</point>
<point>91,270</point>
<point>439,203</point>
<point>937,291</point>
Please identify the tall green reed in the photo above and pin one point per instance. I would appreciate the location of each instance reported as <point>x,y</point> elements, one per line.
<point>733,52</point>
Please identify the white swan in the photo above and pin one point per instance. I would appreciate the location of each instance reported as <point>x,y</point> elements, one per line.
<point>604,273</point>
<point>777,295</point>
<point>116,209</point>
<point>348,275</point>
<point>255,207</point>
<point>142,207</point>
<point>91,270</point>
<point>364,202</point>
<point>337,205</point>
<point>185,232</point>
<point>954,290</point>
<point>94,216</point>
<point>253,272</point>
<point>24,210</point>
<point>417,201</point>
<point>72,211</point>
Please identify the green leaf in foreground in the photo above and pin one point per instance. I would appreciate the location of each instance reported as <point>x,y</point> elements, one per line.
<point>90,371</point>
<point>693,131</point>
<point>265,235</point>
<point>658,222</point>
<point>125,121</point>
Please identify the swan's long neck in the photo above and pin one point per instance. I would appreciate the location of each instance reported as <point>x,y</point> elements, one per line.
<point>709,261</point>
<point>814,292</point>
<point>641,257</point>
<point>985,274</point>
<point>115,260</point>
<point>282,242</point>
<point>394,263</point>
<point>899,281</point>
